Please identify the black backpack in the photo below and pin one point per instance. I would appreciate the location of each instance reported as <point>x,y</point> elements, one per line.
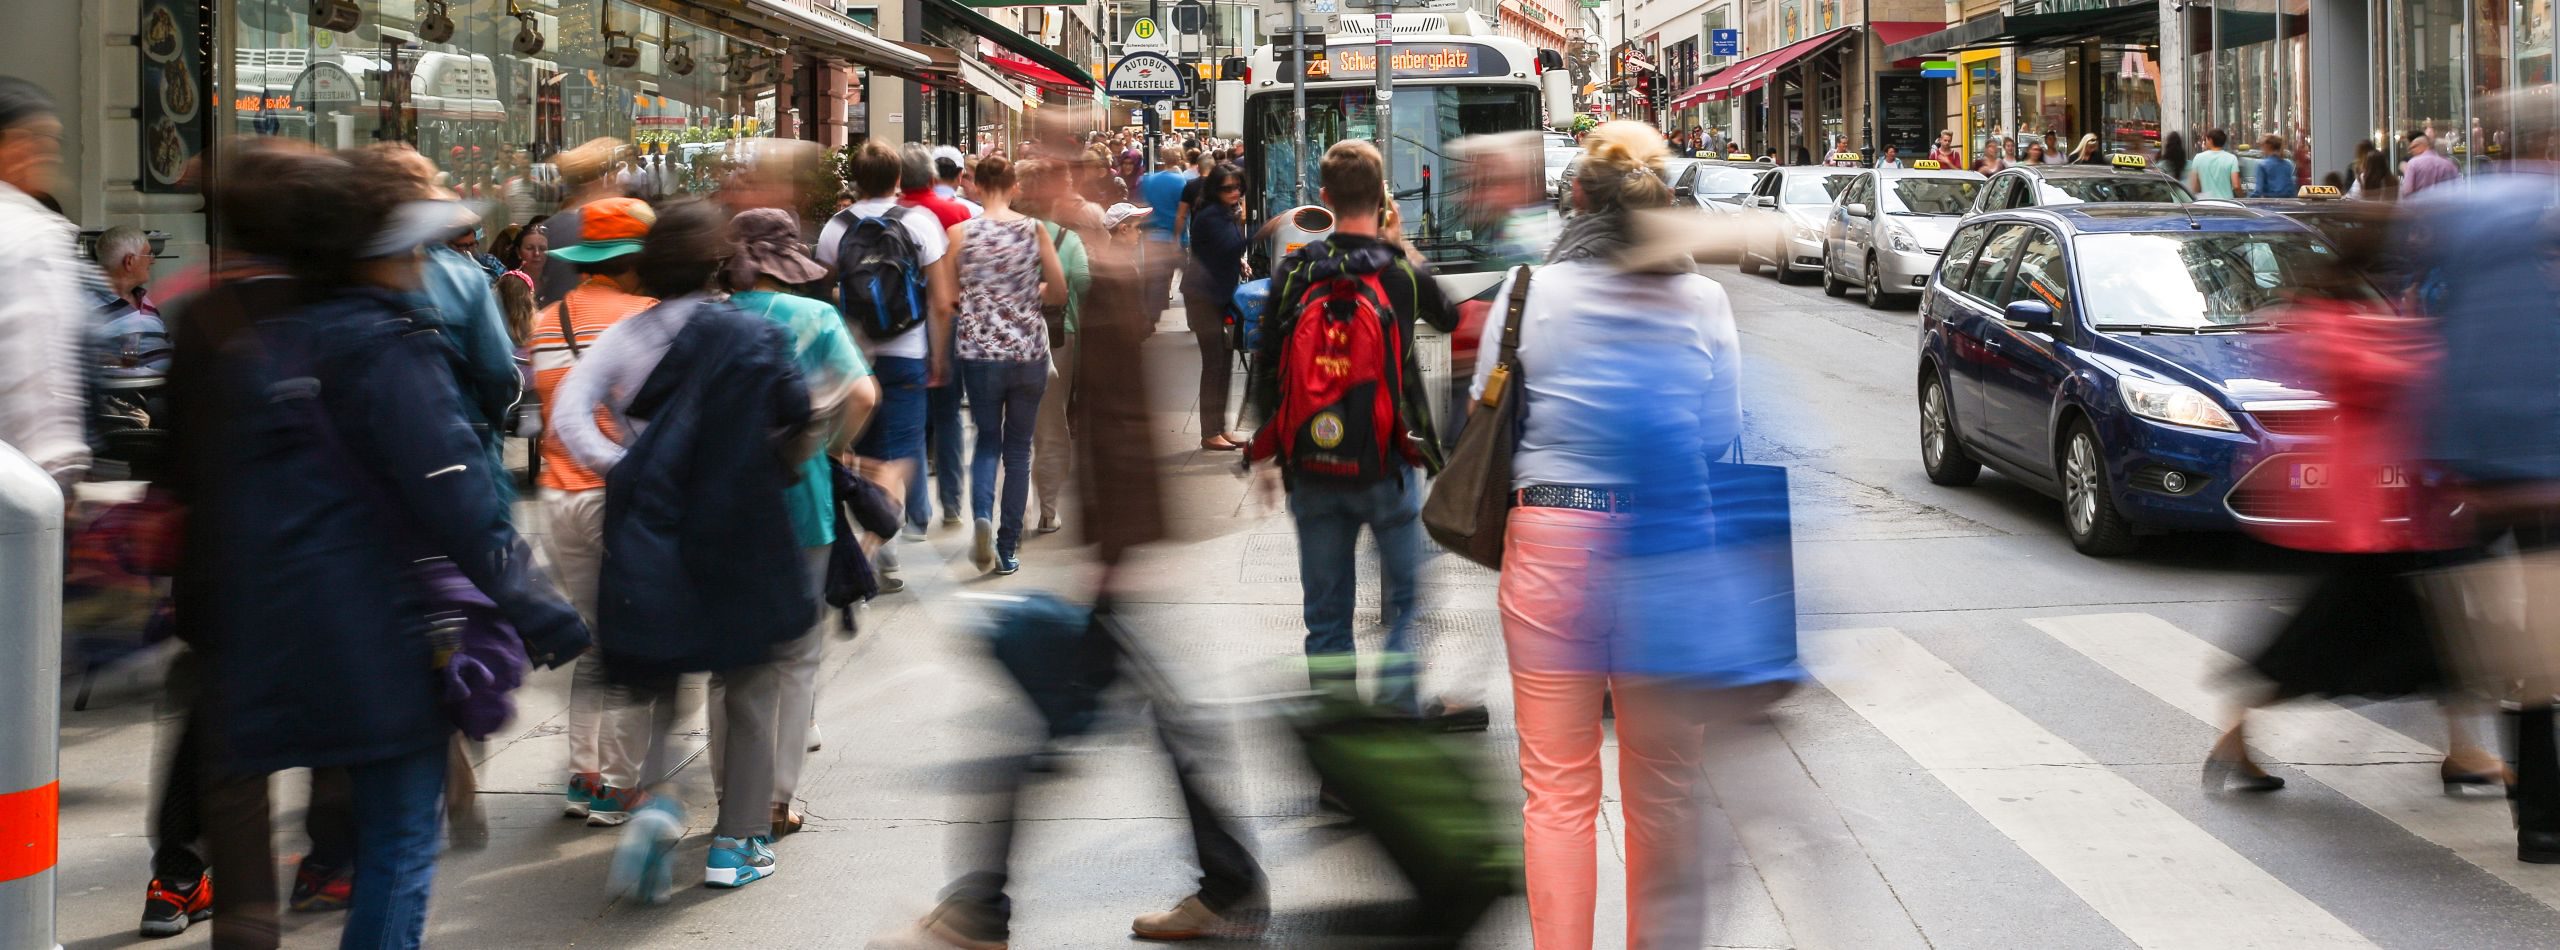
<point>880,274</point>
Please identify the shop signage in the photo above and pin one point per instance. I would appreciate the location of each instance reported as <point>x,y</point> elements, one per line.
<point>1724,43</point>
<point>174,85</point>
<point>1412,61</point>
<point>1938,69</point>
<point>1146,36</point>
<point>1902,113</point>
<point>324,84</point>
<point>1144,75</point>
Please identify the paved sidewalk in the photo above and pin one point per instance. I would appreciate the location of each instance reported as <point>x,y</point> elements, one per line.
<point>909,711</point>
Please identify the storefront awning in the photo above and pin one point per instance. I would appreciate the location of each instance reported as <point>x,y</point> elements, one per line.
<point>1038,75</point>
<point>1990,31</point>
<point>1753,73</point>
<point>1017,43</point>
<point>1891,33</point>
<point>1694,95</point>
<point>989,83</point>
<point>821,31</point>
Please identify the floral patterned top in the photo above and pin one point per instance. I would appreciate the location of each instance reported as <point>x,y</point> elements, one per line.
<point>1000,293</point>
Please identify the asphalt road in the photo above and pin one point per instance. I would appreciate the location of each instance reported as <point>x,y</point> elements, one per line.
<point>2000,748</point>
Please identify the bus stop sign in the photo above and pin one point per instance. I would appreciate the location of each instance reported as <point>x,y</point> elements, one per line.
<point>1144,75</point>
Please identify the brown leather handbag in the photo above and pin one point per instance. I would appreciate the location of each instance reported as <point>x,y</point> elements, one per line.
<point>1470,502</point>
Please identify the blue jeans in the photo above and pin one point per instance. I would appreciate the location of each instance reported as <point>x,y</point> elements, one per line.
<point>942,438</point>
<point>897,426</point>
<point>398,832</point>
<point>1330,516</point>
<point>1004,402</point>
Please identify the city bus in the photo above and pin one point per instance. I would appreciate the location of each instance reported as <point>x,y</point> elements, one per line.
<point>1455,76</point>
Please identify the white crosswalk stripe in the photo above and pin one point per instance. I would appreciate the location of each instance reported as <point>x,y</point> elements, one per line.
<point>2154,875</point>
<point>2372,765</point>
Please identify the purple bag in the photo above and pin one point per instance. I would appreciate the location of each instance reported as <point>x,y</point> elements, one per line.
<point>479,659</point>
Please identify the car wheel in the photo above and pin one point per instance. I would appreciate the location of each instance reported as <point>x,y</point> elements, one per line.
<point>1742,261</point>
<point>1940,454</point>
<point>1786,270</point>
<point>1832,286</point>
<point>1876,299</point>
<point>2088,503</point>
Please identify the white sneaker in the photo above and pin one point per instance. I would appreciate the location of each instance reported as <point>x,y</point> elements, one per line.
<point>983,551</point>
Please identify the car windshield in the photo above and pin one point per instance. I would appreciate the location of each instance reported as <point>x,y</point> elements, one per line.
<point>1723,181</point>
<point>2103,188</point>
<point>1429,186</point>
<point>1672,167</point>
<point>2195,282</point>
<point>1816,189</point>
<point>1558,158</point>
<point>1935,195</point>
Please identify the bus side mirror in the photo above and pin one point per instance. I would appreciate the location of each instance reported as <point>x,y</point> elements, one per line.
<point>1229,111</point>
<point>1556,86</point>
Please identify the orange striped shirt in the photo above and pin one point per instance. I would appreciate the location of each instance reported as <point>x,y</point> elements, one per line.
<point>592,306</point>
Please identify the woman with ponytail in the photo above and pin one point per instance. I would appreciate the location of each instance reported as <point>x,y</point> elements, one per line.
<point>1632,386</point>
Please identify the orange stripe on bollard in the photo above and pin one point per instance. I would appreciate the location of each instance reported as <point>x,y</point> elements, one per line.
<point>30,831</point>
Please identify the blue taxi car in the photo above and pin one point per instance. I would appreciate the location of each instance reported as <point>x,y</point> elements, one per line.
<point>2117,357</point>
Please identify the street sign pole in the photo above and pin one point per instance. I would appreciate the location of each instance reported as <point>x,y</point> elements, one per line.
<point>1155,123</point>
<point>1386,98</point>
<point>1298,94</point>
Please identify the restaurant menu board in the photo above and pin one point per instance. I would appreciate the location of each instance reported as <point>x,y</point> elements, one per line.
<point>1902,114</point>
<point>174,85</point>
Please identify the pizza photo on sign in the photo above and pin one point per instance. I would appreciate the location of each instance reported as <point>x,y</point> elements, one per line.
<point>159,34</point>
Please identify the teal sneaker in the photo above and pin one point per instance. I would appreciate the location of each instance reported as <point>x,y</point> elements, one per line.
<point>608,806</point>
<point>581,793</point>
<point>640,867</point>
<point>738,862</point>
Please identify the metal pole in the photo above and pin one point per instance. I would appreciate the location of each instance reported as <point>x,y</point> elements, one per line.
<point>30,703</point>
<point>1298,96</point>
<point>1386,98</point>
<point>1155,123</point>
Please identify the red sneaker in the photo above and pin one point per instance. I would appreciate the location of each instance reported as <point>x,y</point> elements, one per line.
<point>318,889</point>
<point>166,910</point>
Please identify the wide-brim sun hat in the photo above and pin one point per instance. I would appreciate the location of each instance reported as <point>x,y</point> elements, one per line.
<point>767,243</point>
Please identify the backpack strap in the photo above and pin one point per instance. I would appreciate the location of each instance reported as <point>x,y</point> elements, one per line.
<point>568,330</point>
<point>1511,320</point>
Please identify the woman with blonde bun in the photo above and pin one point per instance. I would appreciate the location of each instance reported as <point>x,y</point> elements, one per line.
<point>1632,384</point>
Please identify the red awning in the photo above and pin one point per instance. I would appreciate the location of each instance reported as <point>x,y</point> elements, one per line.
<point>1037,74</point>
<point>1694,95</point>
<point>1753,73</point>
<point>1889,32</point>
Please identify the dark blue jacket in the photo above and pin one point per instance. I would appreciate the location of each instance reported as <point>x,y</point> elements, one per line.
<point>347,460</point>
<point>701,570</point>
<point>2482,254</point>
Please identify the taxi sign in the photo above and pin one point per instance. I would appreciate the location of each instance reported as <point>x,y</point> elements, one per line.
<point>1738,157</point>
<point>1926,165</point>
<point>1846,157</point>
<point>2317,191</point>
<point>2128,161</point>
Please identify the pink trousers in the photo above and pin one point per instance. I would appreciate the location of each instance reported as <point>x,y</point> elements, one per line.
<point>1557,624</point>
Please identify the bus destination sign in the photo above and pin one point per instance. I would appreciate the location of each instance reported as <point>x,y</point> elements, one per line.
<point>1411,61</point>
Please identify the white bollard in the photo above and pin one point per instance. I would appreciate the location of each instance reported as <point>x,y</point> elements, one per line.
<point>30,700</point>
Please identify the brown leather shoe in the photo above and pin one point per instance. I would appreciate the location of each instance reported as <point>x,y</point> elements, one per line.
<point>1193,920</point>
<point>784,821</point>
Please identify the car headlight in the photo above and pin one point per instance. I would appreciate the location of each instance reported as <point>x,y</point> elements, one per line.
<point>2174,404</point>
<point>1808,231</point>
<point>1900,240</point>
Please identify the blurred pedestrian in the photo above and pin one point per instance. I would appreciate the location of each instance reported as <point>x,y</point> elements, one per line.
<point>586,171</point>
<point>1944,152</point>
<point>1608,326</point>
<point>1218,243</point>
<point>2173,156</point>
<point>1350,454</point>
<point>2034,153</point>
<point>2355,166</point>
<point>951,179</point>
<point>1042,184</point>
<point>2425,168</point>
<point>2215,172</point>
<point>2275,170</point>
<point>2087,152</point>
<point>325,507</point>
<point>918,188</point>
<point>2364,629</point>
<point>1161,191</point>
<point>2492,419</point>
<point>1008,271</point>
<point>702,569</point>
<point>1507,198</point>
<point>43,339</point>
<point>766,263</point>
<point>2374,180</point>
<point>891,450</point>
<point>607,738</point>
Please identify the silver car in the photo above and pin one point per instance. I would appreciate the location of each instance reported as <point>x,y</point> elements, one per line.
<point>1783,218</point>
<point>1716,188</point>
<point>1888,228</point>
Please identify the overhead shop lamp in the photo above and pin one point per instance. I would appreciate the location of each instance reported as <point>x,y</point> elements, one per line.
<point>529,40</point>
<point>436,26</point>
<point>336,16</point>
<point>679,57</point>
<point>620,50</point>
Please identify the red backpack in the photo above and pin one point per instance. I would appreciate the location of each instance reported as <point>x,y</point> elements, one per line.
<point>1341,373</point>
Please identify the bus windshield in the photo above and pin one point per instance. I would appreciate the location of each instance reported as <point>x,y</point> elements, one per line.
<point>1429,188</point>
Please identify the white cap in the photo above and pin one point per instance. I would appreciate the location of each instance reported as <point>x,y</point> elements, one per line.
<point>1120,213</point>
<point>417,224</point>
<point>947,152</point>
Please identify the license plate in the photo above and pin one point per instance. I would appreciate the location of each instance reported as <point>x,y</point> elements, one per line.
<point>2312,475</point>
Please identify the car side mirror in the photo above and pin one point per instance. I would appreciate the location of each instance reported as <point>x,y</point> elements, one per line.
<point>1859,209</point>
<point>1763,201</point>
<point>1684,192</point>
<point>2033,315</point>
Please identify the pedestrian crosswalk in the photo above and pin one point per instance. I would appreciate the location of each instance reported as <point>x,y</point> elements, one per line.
<point>2162,872</point>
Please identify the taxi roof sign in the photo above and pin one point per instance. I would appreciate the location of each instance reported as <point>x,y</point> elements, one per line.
<point>2128,161</point>
<point>2317,191</point>
<point>1847,157</point>
<point>1737,157</point>
<point>1926,165</point>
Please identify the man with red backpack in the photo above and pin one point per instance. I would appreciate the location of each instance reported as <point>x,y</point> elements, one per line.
<point>1344,410</point>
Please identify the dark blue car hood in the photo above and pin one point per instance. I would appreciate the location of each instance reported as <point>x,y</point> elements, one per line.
<point>2239,367</point>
